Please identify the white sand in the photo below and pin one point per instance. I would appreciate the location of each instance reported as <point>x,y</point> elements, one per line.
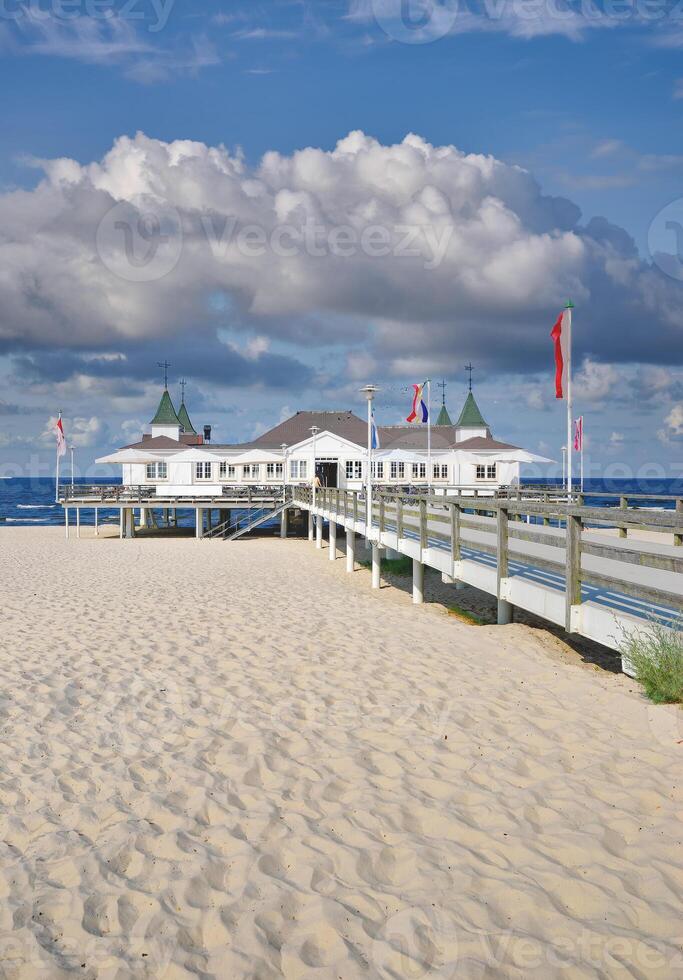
<point>233,760</point>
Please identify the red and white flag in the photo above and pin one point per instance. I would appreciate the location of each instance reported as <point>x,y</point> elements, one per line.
<point>560,335</point>
<point>61,438</point>
<point>578,434</point>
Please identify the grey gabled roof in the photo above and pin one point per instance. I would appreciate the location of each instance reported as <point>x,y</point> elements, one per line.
<point>298,427</point>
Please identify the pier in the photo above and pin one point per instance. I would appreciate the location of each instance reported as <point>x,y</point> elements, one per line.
<point>550,557</point>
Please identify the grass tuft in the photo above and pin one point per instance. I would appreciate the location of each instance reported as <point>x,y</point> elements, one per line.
<point>465,615</point>
<point>393,566</point>
<point>657,659</point>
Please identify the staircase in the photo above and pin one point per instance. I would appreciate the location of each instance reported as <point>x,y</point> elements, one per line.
<point>229,531</point>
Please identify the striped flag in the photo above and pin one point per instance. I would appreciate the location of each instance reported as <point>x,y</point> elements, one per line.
<point>61,439</point>
<point>578,434</point>
<point>419,411</point>
<point>560,336</point>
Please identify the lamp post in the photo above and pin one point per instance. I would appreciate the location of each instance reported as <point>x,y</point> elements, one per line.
<point>283,447</point>
<point>369,391</point>
<point>314,431</point>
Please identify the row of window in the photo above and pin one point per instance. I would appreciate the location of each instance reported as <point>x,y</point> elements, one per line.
<point>298,470</point>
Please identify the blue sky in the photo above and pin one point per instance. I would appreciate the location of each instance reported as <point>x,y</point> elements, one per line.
<point>586,100</point>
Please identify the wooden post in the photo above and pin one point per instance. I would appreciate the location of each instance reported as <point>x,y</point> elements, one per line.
<point>623,504</point>
<point>546,519</point>
<point>355,509</point>
<point>423,524</point>
<point>678,536</point>
<point>455,532</point>
<point>399,519</point>
<point>572,568</point>
<point>418,582</point>
<point>502,561</point>
<point>381,516</point>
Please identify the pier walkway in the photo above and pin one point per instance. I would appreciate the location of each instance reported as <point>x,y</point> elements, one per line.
<point>579,575</point>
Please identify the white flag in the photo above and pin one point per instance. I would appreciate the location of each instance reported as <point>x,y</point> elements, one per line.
<point>61,439</point>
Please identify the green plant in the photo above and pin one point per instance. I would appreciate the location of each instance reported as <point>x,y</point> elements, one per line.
<point>464,615</point>
<point>398,566</point>
<point>656,656</point>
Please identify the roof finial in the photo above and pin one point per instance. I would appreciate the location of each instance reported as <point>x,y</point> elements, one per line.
<point>182,384</point>
<point>165,365</point>
<point>442,384</point>
<point>468,367</point>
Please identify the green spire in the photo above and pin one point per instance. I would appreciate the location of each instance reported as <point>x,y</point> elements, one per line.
<point>184,420</point>
<point>470,416</point>
<point>165,412</point>
<point>444,418</point>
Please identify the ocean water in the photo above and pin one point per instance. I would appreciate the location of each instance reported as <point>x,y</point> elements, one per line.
<point>31,501</point>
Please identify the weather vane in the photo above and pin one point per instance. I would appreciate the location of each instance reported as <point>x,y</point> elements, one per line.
<point>165,365</point>
<point>442,384</point>
<point>182,384</point>
<point>468,367</point>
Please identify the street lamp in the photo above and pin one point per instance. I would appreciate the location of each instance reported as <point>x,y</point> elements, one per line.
<point>369,391</point>
<point>314,431</point>
<point>283,447</point>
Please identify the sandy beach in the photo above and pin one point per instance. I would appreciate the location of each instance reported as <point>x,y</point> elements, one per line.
<point>235,760</point>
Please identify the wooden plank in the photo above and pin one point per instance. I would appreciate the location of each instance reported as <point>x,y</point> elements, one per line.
<point>630,557</point>
<point>501,547</point>
<point>645,593</point>
<point>455,532</point>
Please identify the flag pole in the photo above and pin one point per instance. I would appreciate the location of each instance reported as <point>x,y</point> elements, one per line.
<point>582,437</point>
<point>429,434</point>
<point>570,443</point>
<point>57,470</point>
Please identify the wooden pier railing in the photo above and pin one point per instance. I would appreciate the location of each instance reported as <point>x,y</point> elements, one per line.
<point>543,554</point>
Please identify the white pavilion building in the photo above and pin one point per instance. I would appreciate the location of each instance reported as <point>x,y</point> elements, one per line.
<point>176,461</point>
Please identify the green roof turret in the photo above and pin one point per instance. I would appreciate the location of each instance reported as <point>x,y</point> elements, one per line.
<point>471,417</point>
<point>166,414</point>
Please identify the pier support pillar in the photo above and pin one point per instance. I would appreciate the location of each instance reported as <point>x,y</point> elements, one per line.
<point>66,522</point>
<point>120,522</point>
<point>319,531</point>
<point>283,523</point>
<point>78,522</point>
<point>310,526</point>
<point>97,521</point>
<point>333,540</point>
<point>375,566</point>
<point>199,522</point>
<point>418,582</point>
<point>350,550</point>
<point>504,612</point>
<point>128,522</point>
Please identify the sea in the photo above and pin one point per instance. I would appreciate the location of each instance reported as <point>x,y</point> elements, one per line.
<point>30,501</point>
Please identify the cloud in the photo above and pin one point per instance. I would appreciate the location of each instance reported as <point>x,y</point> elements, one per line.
<point>411,250</point>
<point>80,432</point>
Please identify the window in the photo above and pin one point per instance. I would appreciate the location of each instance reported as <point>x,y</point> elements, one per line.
<point>440,471</point>
<point>419,471</point>
<point>156,471</point>
<point>202,471</point>
<point>486,472</point>
<point>378,471</point>
<point>354,469</point>
<point>297,469</point>
<point>226,471</point>
<point>398,471</point>
<point>251,471</point>
<point>274,470</point>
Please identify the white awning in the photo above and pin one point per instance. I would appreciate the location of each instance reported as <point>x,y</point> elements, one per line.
<point>257,456</point>
<point>195,454</point>
<point>131,456</point>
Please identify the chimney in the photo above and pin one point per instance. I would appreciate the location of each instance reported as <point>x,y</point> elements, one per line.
<point>207,433</point>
